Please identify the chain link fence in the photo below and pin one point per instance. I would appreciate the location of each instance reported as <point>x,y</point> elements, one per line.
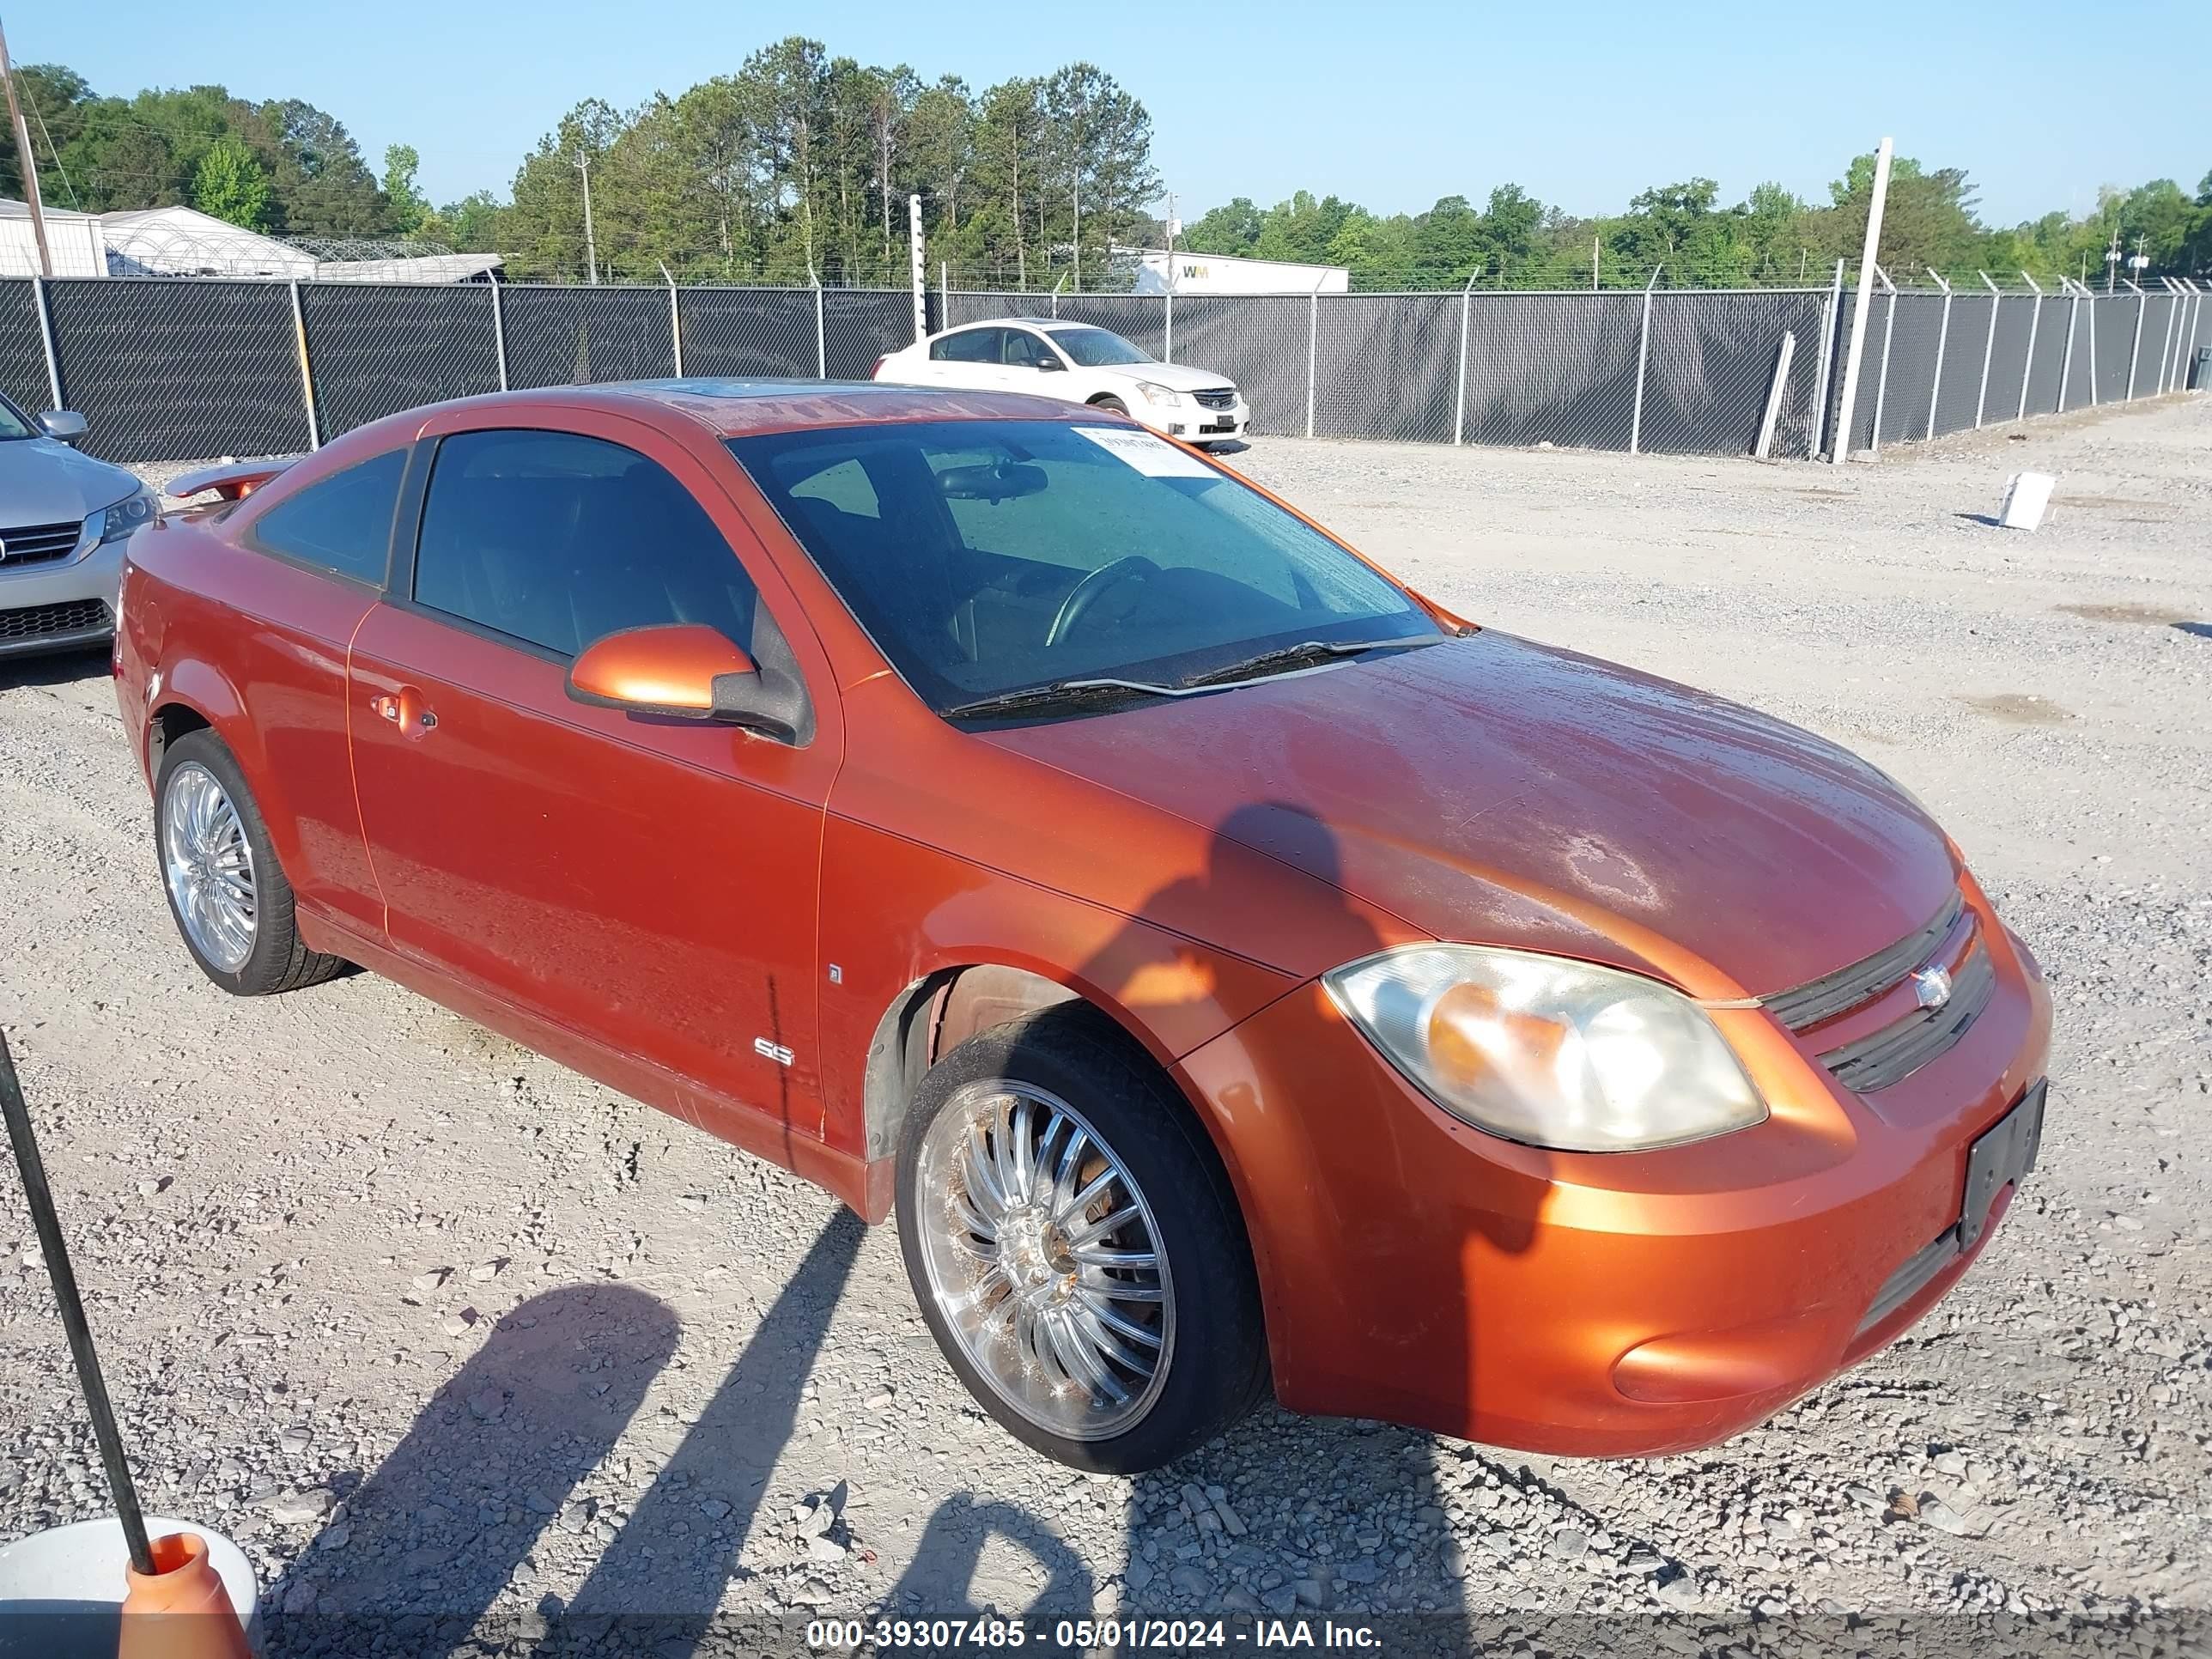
<point>166,369</point>
<point>1937,362</point>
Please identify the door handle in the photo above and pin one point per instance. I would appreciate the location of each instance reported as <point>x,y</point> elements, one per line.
<point>407,712</point>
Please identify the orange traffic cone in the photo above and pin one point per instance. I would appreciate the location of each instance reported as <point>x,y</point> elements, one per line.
<point>181,1610</point>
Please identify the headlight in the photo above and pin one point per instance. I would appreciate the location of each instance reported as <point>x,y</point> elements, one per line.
<point>1153,392</point>
<point>114,523</point>
<point>1548,1051</point>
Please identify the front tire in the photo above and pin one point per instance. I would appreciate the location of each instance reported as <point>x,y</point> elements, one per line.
<point>1110,401</point>
<point>227,893</point>
<point>1076,1248</point>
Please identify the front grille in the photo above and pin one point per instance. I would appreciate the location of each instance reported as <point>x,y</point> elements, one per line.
<point>1221,396</point>
<point>31,544</point>
<point>1847,987</point>
<point>1912,1279</point>
<point>34,622</point>
<point>1895,1051</point>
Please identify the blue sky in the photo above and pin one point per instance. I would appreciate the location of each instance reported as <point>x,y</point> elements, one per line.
<point>1388,104</point>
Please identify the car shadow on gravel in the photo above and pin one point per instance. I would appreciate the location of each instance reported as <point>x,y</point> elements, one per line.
<point>58,668</point>
<point>418,1555</point>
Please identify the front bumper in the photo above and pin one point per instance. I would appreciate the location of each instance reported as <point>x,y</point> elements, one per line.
<point>1186,420</point>
<point>1419,1270</point>
<point>62,605</point>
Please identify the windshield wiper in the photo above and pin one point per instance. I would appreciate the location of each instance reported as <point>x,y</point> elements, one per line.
<point>1059,694</point>
<point>1302,654</point>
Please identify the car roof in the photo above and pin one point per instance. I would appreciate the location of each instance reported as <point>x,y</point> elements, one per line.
<point>732,408</point>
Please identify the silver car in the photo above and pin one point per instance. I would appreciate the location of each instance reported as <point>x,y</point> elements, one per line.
<point>63,518</point>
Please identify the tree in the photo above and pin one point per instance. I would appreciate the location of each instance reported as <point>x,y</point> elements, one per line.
<point>230,185</point>
<point>407,208</point>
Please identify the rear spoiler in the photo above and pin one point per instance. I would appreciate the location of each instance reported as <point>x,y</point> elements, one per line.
<point>229,479</point>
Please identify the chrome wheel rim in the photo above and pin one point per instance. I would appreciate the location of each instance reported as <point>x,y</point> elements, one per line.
<point>1044,1260</point>
<point>209,866</point>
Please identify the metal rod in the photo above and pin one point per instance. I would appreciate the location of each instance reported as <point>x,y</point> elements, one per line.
<point>1774,391</point>
<point>1312,343</point>
<point>1989,347</point>
<point>2066,363</point>
<point>48,1226</point>
<point>2027,368</point>
<point>1882,380</point>
<point>1829,314</point>
<point>2093,351</point>
<point>675,321</point>
<point>307,374</point>
<point>1942,338</point>
<point>46,337</point>
<point>2135,348</point>
<point>821,335</point>
<point>1642,358</point>
<point>1869,251</point>
<point>499,330</point>
<point>1459,398</point>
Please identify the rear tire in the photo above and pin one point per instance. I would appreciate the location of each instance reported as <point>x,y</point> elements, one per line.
<point>227,893</point>
<point>1085,1355</point>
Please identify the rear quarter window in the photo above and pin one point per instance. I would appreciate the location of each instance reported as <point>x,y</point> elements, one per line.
<point>341,524</point>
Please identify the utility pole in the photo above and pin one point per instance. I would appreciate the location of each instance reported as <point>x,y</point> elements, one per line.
<point>2113,260</point>
<point>582,163</point>
<point>1870,251</point>
<point>26,162</point>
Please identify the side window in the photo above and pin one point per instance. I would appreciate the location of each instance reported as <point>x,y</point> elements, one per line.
<point>342,523</point>
<point>972,345</point>
<point>558,540</point>
<point>1025,349</point>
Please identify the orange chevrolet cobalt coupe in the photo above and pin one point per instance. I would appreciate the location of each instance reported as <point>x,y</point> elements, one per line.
<point>1237,973</point>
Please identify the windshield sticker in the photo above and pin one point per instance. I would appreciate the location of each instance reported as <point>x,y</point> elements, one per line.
<point>1155,458</point>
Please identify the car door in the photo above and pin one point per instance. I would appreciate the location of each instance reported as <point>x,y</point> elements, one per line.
<point>969,358</point>
<point>1032,365</point>
<point>644,883</point>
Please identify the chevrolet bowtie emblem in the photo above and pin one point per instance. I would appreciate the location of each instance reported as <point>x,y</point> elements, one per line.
<point>1931,987</point>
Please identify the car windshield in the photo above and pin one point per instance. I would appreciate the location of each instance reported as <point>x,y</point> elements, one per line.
<point>984,557</point>
<point>1096,348</point>
<point>14,423</point>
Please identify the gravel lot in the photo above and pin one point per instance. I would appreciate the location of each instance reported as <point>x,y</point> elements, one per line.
<point>434,1328</point>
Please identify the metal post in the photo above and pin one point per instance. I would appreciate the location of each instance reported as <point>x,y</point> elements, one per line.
<point>2165,341</point>
<point>1869,250</point>
<point>821,332</point>
<point>1989,346</point>
<point>2027,368</point>
<point>1829,312</point>
<point>920,271</point>
<point>1167,349</point>
<point>1313,341</point>
<point>1642,357</point>
<point>675,321</point>
<point>944,294</point>
<point>1942,338</point>
<point>1775,389</point>
<point>46,339</point>
<point>45,1223</point>
<point>2066,363</point>
<point>1459,400</point>
<point>499,330</point>
<point>2093,349</point>
<point>306,374</point>
<point>1881,380</point>
<point>1055,296</point>
<point>2135,348</point>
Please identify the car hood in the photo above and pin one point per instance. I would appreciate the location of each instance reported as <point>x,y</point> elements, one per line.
<point>1176,377</point>
<point>43,482</point>
<point>1489,789</point>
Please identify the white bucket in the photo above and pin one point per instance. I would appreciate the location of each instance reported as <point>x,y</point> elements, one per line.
<point>62,1590</point>
<point>2027,495</point>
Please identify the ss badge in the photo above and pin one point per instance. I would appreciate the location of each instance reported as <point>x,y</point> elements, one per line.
<point>775,1051</point>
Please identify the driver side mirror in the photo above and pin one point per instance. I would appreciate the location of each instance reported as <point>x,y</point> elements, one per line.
<point>687,672</point>
<point>1051,365</point>
<point>63,425</point>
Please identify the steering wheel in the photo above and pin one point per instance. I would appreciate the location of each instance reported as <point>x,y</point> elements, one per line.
<point>1085,594</point>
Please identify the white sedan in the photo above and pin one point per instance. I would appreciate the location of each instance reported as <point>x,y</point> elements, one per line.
<point>1080,363</point>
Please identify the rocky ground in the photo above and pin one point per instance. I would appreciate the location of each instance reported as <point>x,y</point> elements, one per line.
<point>445,1335</point>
